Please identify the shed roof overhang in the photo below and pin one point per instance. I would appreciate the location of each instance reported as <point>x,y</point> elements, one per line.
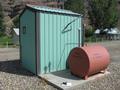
<point>36,8</point>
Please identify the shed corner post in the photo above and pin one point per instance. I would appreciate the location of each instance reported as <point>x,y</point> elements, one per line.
<point>20,46</point>
<point>37,42</point>
<point>79,37</point>
<point>83,30</point>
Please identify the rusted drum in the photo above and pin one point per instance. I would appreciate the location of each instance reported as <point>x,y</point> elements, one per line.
<point>88,60</point>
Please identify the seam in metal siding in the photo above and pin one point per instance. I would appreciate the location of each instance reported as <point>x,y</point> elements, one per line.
<point>37,20</point>
<point>50,38</point>
<point>42,42</point>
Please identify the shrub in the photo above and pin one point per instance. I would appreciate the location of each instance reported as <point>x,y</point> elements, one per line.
<point>89,32</point>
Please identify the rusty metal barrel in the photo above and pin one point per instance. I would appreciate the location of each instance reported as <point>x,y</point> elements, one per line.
<point>88,60</point>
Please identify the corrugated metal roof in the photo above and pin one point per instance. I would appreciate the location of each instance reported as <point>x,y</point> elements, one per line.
<point>49,9</point>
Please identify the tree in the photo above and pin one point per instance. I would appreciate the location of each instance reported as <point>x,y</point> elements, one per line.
<point>1,20</point>
<point>16,21</point>
<point>103,13</point>
<point>75,6</point>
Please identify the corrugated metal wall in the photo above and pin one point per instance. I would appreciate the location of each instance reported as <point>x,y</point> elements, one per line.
<point>58,35</point>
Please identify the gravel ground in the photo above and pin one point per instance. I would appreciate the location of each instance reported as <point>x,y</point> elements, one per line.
<point>14,77</point>
<point>108,82</point>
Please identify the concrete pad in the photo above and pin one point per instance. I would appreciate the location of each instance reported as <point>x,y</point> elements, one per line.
<point>57,78</point>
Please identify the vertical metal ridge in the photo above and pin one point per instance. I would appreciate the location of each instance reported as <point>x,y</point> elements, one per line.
<point>44,44</point>
<point>56,41</point>
<point>60,44</point>
<point>49,63</point>
<point>20,38</point>
<point>37,35</point>
<point>36,42</point>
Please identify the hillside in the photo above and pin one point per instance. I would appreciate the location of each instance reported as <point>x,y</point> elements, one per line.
<point>13,7</point>
<point>11,10</point>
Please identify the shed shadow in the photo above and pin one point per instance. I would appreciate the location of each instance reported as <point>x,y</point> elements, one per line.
<point>67,75</point>
<point>14,67</point>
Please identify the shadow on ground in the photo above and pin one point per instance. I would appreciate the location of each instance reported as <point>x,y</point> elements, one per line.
<point>14,67</point>
<point>67,74</point>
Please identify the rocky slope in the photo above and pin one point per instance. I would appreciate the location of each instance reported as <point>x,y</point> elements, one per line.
<point>11,10</point>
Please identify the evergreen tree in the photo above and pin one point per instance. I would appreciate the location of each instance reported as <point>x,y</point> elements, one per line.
<point>1,20</point>
<point>103,13</point>
<point>16,21</point>
<point>75,6</point>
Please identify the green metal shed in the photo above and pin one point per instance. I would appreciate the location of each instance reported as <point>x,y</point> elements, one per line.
<point>47,35</point>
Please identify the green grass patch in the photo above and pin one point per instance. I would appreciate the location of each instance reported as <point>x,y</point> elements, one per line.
<point>90,39</point>
<point>94,39</point>
<point>5,41</point>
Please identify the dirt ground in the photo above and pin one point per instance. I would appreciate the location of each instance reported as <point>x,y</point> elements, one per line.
<point>14,77</point>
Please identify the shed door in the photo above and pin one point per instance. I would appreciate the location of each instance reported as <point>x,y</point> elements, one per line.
<point>27,39</point>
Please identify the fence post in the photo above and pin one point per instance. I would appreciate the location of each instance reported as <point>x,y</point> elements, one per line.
<point>6,44</point>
